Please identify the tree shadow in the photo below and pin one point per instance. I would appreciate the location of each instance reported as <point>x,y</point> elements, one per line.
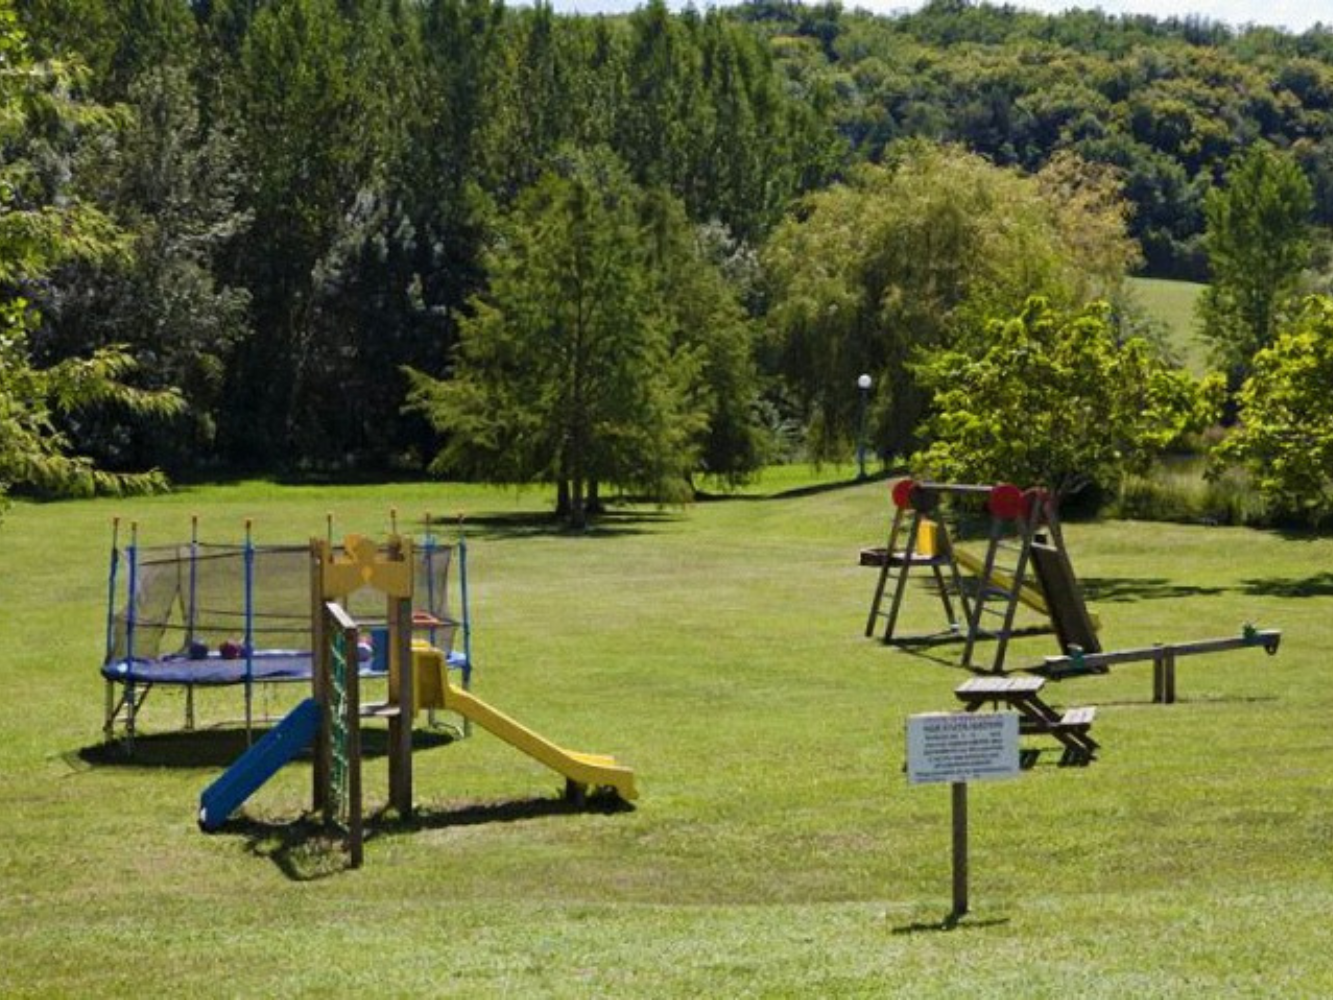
<point>796,492</point>
<point>531,524</point>
<point>305,849</point>
<point>1121,590</point>
<point>218,747</point>
<point>1316,585</point>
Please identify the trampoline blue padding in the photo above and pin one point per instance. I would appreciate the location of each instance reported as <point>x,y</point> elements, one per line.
<point>214,671</point>
<point>266,665</point>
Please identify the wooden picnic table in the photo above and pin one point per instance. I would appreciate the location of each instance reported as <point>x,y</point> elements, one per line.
<point>1022,694</point>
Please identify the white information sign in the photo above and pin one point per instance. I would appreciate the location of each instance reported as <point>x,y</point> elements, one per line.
<point>961,746</point>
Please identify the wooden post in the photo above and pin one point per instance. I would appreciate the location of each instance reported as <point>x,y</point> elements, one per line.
<point>355,821</point>
<point>319,680</point>
<point>400,723</point>
<point>1169,687</point>
<point>959,849</point>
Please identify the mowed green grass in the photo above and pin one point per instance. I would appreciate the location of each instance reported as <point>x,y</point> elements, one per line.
<point>776,850</point>
<point>1172,304</point>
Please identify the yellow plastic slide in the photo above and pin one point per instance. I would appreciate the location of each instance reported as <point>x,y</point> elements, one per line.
<point>589,770</point>
<point>1028,594</point>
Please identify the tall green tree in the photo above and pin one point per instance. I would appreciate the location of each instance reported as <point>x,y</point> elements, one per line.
<point>172,186</point>
<point>1285,432</point>
<point>1258,242</point>
<point>315,80</point>
<point>707,322</point>
<point>565,371</point>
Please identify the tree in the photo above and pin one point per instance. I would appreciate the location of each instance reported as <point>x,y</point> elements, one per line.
<point>565,370</point>
<point>1285,432</point>
<point>172,188</point>
<point>1258,242</point>
<point>315,78</point>
<point>1056,401</point>
<point>34,451</point>
<point>878,274</point>
<point>706,321</point>
<point>41,227</point>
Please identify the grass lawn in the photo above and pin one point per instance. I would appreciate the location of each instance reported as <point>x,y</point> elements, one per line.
<point>1172,303</point>
<point>776,849</point>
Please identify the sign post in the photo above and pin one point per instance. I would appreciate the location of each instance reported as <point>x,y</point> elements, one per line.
<point>958,747</point>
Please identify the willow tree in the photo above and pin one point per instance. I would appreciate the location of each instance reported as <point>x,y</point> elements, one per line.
<point>903,261</point>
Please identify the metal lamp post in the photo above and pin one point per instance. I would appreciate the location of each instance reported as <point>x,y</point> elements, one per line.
<point>863,383</point>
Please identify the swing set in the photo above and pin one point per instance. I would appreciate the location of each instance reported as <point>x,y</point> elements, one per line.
<point>1025,562</point>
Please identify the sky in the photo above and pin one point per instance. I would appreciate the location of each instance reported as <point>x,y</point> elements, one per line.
<point>1294,15</point>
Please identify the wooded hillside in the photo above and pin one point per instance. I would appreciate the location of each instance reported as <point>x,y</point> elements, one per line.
<point>312,199</point>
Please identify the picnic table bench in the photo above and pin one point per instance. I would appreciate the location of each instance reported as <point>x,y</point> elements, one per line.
<point>1022,694</point>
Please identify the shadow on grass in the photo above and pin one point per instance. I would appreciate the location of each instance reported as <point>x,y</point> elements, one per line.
<point>202,748</point>
<point>922,646</point>
<point>526,524</point>
<point>1317,585</point>
<point>953,922</point>
<point>1113,590</point>
<point>305,849</point>
<point>796,492</point>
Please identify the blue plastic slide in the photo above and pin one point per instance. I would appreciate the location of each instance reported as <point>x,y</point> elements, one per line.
<point>278,746</point>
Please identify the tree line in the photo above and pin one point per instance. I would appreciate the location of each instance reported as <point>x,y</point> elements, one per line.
<point>326,236</point>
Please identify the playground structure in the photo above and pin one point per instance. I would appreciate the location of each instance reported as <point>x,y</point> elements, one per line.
<point>203,615</point>
<point>1025,562</point>
<point>1024,524</point>
<point>417,678</point>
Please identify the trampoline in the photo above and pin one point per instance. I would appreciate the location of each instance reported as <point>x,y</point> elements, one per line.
<point>206,615</point>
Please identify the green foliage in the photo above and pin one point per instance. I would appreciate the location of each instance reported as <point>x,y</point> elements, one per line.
<point>1056,401</point>
<point>39,230</point>
<point>1258,244</point>
<point>1182,491</point>
<point>909,260</point>
<point>1166,101</point>
<point>1285,433</point>
<point>34,451</point>
<point>300,207</point>
<point>566,369</point>
<point>173,189</point>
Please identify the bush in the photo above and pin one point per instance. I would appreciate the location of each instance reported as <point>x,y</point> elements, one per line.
<point>1177,491</point>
